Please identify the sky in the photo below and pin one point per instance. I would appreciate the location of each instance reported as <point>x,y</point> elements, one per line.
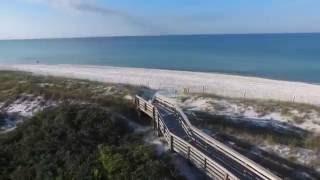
<point>21,19</point>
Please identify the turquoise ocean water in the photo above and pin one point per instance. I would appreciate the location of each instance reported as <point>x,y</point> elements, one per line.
<point>294,57</point>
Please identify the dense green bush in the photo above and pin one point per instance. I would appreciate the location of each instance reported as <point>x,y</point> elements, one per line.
<point>133,162</point>
<point>77,142</point>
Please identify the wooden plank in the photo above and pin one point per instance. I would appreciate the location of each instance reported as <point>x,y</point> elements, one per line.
<point>265,173</point>
<point>182,145</point>
<point>178,144</point>
<point>183,148</point>
<point>194,150</point>
<point>215,171</point>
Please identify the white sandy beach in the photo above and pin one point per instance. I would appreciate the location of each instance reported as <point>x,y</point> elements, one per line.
<point>220,84</point>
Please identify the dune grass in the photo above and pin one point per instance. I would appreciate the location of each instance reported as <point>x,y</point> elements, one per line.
<point>253,134</point>
<point>245,139</point>
<point>86,136</point>
<point>264,107</point>
<point>17,84</point>
<point>298,112</point>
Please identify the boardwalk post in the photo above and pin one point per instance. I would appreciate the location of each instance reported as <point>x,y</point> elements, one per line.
<point>145,106</point>
<point>226,177</point>
<point>198,143</point>
<point>138,108</point>
<point>171,143</point>
<point>158,126</point>
<point>137,103</point>
<point>154,119</point>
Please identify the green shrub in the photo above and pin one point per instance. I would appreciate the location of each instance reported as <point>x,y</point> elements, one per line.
<point>133,162</point>
<point>63,143</point>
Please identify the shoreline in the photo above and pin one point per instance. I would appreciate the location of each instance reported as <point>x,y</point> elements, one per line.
<point>234,86</point>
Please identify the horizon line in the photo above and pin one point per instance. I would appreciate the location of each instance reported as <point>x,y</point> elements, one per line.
<point>156,35</point>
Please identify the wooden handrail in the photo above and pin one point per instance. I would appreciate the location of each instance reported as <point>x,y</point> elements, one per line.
<point>219,171</point>
<point>196,151</point>
<point>177,143</point>
<point>256,168</point>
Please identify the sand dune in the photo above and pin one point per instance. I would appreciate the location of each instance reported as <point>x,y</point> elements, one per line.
<point>220,84</point>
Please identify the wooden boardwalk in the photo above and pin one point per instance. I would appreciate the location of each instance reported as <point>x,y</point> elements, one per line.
<point>214,158</point>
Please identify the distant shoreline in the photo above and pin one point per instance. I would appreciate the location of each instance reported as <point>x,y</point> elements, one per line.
<point>259,55</point>
<point>163,35</point>
<point>196,82</point>
<point>222,72</point>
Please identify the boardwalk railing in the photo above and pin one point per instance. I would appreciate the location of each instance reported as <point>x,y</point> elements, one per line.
<point>184,148</point>
<point>254,167</point>
<point>189,151</point>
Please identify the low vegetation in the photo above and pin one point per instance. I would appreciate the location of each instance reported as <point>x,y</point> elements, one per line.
<point>269,132</point>
<point>13,84</point>
<point>253,133</point>
<point>86,136</point>
<point>298,112</point>
<point>247,140</point>
<point>77,142</point>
